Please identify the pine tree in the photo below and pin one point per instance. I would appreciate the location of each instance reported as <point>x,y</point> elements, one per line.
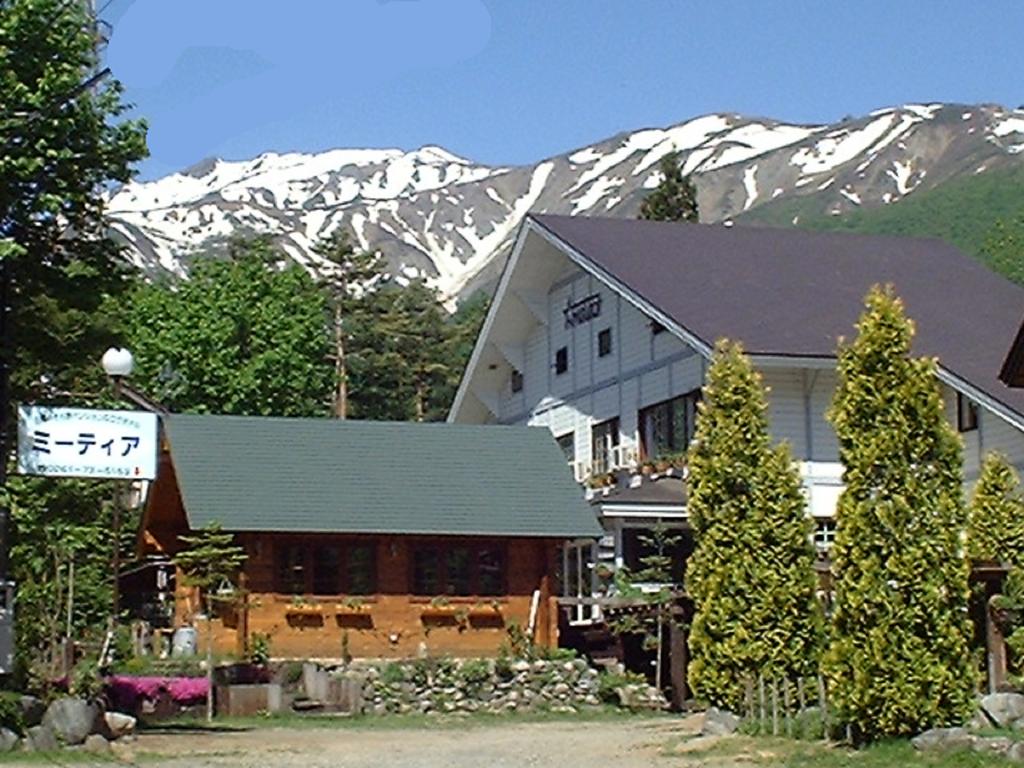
<point>751,576</point>
<point>899,661</point>
<point>210,562</point>
<point>675,197</point>
<point>996,514</point>
<point>348,276</point>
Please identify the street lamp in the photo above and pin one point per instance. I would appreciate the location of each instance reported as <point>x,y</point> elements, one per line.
<point>118,363</point>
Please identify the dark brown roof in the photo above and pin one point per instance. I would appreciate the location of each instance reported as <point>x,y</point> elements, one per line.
<point>1012,373</point>
<point>789,292</point>
<point>665,491</point>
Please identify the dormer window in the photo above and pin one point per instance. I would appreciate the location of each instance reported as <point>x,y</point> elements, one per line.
<point>516,381</point>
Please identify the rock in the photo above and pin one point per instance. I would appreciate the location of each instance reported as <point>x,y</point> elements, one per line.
<point>118,724</point>
<point>40,738</point>
<point>1016,751</point>
<point>999,745</point>
<point>719,722</point>
<point>8,739</point>
<point>1003,709</point>
<point>71,720</point>
<point>943,740</point>
<point>32,710</point>
<point>96,744</point>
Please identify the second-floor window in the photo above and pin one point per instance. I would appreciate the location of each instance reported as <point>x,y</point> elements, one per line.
<point>604,342</point>
<point>667,427</point>
<point>966,413</point>
<point>561,360</point>
<point>567,443</point>
<point>604,439</point>
<point>516,381</point>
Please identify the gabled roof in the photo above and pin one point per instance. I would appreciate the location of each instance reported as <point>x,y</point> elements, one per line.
<point>325,475</point>
<point>788,293</point>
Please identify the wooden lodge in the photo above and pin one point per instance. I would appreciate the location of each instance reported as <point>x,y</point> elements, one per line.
<point>371,539</point>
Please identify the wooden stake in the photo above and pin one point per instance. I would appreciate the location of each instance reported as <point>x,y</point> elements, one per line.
<point>775,707</point>
<point>764,714</point>
<point>787,700</point>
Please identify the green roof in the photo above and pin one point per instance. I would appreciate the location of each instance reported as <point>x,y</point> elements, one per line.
<point>326,475</point>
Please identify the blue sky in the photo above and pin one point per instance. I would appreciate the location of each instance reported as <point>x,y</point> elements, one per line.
<point>513,81</point>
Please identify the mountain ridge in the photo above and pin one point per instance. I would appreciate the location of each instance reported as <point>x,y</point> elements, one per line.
<point>437,214</point>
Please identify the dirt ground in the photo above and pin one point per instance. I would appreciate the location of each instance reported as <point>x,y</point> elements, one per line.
<point>627,743</point>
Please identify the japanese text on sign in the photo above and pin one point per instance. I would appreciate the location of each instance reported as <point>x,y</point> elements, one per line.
<point>78,442</point>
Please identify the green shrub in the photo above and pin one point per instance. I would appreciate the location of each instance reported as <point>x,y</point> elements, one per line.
<point>259,649</point>
<point>609,682</point>
<point>392,673</point>
<point>557,654</point>
<point>86,681</point>
<point>474,673</point>
<point>996,514</point>
<point>10,712</point>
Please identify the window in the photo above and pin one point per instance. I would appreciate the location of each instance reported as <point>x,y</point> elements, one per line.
<point>966,413</point>
<point>291,568</point>
<point>824,533</point>
<point>516,381</point>
<point>604,343</point>
<point>362,569</point>
<point>561,360</point>
<point>604,438</point>
<point>458,570</point>
<point>326,569</point>
<point>668,427</point>
<point>656,328</point>
<point>567,443</point>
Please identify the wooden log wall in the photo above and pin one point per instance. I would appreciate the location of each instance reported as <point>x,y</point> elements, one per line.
<point>392,623</point>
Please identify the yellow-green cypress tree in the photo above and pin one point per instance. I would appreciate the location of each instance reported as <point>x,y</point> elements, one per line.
<point>898,662</point>
<point>996,514</point>
<point>751,575</point>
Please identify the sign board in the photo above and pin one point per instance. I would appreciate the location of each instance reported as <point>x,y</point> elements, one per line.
<point>80,442</point>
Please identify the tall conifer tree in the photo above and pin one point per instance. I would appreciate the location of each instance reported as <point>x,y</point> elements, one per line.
<point>675,198</point>
<point>751,575</point>
<point>996,514</point>
<point>899,660</point>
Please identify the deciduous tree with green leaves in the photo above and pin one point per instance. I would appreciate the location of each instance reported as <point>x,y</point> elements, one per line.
<point>899,660</point>
<point>675,197</point>
<point>751,576</point>
<point>210,561</point>
<point>246,335</point>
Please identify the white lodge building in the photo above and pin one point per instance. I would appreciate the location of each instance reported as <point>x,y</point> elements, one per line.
<point>601,330</point>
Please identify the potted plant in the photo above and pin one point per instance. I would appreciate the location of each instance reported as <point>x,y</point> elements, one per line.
<point>351,605</point>
<point>301,606</point>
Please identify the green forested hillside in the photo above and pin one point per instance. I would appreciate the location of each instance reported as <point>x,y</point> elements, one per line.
<point>983,214</point>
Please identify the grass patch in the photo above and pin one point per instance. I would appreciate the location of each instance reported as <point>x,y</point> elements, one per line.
<point>789,753</point>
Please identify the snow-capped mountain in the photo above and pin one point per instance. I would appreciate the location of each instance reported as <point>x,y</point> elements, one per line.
<point>433,213</point>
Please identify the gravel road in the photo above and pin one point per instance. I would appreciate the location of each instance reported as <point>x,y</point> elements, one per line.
<point>631,743</point>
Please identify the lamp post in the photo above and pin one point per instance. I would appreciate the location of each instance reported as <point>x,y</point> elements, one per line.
<point>118,363</point>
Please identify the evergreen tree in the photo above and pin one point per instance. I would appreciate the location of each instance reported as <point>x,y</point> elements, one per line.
<point>660,603</point>
<point>751,576</point>
<point>210,562</point>
<point>675,197</point>
<point>349,276</point>
<point>996,514</point>
<point>244,335</point>
<point>899,660</point>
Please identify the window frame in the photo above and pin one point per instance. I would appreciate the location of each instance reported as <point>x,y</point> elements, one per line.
<point>561,360</point>
<point>444,550</point>
<point>611,439</point>
<point>604,342</point>
<point>343,580</point>
<point>689,402</point>
<point>515,381</point>
<point>967,415</point>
